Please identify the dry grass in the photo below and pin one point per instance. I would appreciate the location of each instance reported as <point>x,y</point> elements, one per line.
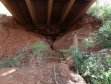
<point>29,58</point>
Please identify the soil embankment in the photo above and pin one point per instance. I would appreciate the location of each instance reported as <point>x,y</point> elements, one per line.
<point>14,36</point>
<point>73,36</point>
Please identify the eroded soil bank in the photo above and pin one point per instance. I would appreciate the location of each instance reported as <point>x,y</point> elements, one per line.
<point>54,71</point>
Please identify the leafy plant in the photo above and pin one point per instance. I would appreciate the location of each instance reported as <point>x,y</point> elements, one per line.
<point>11,62</point>
<point>87,43</point>
<point>40,45</point>
<point>74,51</point>
<point>95,68</point>
<point>24,54</point>
<point>58,54</point>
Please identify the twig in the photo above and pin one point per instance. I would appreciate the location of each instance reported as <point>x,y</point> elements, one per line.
<point>55,75</point>
<point>33,57</point>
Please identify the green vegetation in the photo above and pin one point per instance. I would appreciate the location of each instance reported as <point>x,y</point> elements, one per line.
<point>95,68</point>
<point>103,12</point>
<point>24,54</point>
<point>74,55</point>
<point>10,62</point>
<point>87,43</point>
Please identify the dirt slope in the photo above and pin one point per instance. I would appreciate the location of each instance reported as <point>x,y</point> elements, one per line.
<point>82,29</point>
<point>47,74</point>
<point>14,36</point>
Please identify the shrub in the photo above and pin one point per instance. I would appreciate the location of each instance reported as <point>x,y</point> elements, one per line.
<point>23,55</point>
<point>8,62</point>
<point>87,43</point>
<point>103,12</point>
<point>95,68</point>
<point>40,45</point>
<point>75,55</point>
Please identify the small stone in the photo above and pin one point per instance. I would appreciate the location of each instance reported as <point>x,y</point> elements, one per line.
<point>70,62</point>
<point>63,70</point>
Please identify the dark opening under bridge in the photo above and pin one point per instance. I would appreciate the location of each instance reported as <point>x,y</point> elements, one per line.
<point>47,17</point>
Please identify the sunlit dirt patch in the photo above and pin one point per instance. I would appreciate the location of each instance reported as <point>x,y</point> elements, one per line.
<point>8,72</point>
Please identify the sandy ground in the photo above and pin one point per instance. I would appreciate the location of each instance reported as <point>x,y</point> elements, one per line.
<point>46,74</point>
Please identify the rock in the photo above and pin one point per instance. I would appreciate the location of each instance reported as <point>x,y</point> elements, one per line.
<point>69,62</point>
<point>63,70</point>
<point>76,78</point>
<point>80,24</point>
<point>87,20</point>
<point>104,51</point>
